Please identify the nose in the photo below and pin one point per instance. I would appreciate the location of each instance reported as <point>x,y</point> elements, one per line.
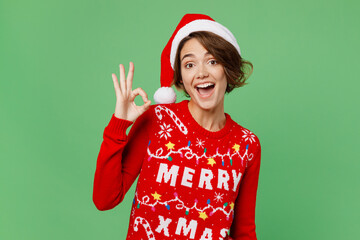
<point>202,71</point>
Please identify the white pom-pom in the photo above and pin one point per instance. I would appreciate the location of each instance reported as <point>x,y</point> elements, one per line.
<point>165,95</point>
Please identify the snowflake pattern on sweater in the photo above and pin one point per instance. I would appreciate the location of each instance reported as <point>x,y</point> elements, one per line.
<point>193,183</point>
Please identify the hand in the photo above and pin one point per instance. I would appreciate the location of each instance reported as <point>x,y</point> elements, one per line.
<point>125,106</point>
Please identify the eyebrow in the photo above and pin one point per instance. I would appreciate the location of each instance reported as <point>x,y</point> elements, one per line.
<point>192,55</point>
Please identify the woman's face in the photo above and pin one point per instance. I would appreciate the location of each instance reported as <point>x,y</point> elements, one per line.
<point>204,79</point>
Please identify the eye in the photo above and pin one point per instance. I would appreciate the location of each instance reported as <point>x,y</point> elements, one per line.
<point>188,65</point>
<point>213,62</point>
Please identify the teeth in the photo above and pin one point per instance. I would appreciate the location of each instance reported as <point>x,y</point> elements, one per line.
<point>204,85</point>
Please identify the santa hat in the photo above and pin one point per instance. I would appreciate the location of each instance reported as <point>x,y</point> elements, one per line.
<point>188,24</point>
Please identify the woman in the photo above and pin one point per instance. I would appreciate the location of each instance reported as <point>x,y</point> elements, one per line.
<point>198,169</point>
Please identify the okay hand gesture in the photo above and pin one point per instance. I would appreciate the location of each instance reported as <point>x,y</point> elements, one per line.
<point>125,106</point>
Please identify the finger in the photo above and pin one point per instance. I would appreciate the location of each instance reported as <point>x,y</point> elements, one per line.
<point>116,85</point>
<point>122,79</point>
<point>141,92</point>
<point>146,105</point>
<point>130,76</point>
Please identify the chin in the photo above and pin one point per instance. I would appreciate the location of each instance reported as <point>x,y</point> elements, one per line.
<point>205,104</point>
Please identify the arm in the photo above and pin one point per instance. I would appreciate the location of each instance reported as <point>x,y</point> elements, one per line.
<point>119,160</point>
<point>243,226</point>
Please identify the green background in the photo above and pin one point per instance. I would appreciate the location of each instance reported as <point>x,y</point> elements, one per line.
<point>57,96</point>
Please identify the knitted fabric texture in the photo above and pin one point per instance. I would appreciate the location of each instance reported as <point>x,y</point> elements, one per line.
<point>193,183</point>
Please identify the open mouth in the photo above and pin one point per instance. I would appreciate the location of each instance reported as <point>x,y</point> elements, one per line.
<point>206,89</point>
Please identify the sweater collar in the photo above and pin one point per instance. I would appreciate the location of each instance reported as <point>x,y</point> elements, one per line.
<point>193,124</point>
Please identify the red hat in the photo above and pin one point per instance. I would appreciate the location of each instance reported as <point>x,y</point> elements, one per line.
<point>188,24</point>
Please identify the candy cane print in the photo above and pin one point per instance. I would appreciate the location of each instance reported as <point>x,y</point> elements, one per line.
<point>173,116</point>
<point>146,226</point>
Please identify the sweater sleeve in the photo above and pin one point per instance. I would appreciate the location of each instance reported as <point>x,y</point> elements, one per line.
<point>120,159</point>
<point>243,226</point>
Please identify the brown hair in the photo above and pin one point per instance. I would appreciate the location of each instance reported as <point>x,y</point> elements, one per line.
<point>225,54</point>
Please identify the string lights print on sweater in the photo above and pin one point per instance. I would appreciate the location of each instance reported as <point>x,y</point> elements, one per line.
<point>172,175</point>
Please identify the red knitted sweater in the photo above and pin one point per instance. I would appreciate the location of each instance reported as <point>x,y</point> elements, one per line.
<point>193,183</point>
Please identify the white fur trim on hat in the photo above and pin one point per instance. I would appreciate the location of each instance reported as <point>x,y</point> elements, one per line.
<point>165,95</point>
<point>201,25</point>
